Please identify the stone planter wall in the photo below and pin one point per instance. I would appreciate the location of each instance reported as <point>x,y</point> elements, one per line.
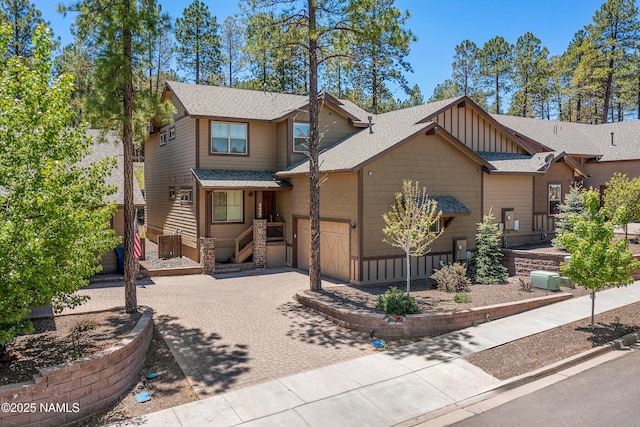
<point>66,393</point>
<point>522,262</point>
<point>419,325</point>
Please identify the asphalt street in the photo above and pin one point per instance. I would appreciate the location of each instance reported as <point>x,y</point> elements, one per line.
<point>606,395</point>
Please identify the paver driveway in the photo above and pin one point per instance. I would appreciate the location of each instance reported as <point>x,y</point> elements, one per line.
<point>229,333</point>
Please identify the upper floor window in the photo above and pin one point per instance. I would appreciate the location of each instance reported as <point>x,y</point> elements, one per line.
<point>228,138</point>
<point>186,195</point>
<point>172,133</point>
<point>163,138</point>
<point>300,137</point>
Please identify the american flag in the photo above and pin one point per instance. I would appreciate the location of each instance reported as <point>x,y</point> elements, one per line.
<point>137,244</point>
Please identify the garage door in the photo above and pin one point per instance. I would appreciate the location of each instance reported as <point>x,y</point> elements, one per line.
<point>334,248</point>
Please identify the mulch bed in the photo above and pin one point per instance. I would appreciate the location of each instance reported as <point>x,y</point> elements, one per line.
<point>63,339</point>
<point>431,300</point>
<point>543,349</point>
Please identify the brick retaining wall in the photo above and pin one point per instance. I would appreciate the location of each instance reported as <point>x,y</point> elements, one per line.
<point>75,390</point>
<point>522,262</point>
<point>419,325</point>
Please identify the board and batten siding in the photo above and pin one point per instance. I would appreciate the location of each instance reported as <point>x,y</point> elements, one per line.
<point>168,166</point>
<point>476,131</point>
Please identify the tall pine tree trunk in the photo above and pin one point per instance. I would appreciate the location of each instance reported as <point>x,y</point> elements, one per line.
<point>131,302</point>
<point>315,283</point>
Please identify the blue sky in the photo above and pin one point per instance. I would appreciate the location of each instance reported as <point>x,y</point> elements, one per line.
<point>439,25</point>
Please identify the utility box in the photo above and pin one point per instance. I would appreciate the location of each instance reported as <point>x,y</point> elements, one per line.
<point>545,280</point>
<point>460,249</point>
<point>508,218</point>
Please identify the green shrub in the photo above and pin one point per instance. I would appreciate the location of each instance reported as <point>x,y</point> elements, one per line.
<point>485,265</point>
<point>462,298</point>
<point>396,302</point>
<point>452,278</point>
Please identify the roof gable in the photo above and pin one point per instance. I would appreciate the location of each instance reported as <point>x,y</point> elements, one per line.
<point>250,105</point>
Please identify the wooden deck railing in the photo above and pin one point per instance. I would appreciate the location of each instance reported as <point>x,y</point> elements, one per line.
<point>275,231</point>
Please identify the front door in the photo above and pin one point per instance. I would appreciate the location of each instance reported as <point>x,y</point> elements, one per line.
<point>269,205</point>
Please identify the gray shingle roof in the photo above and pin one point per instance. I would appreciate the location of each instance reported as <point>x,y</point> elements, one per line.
<point>449,204</point>
<point>389,129</point>
<point>517,163</point>
<point>216,178</point>
<point>579,138</point>
<point>232,103</point>
<point>109,145</point>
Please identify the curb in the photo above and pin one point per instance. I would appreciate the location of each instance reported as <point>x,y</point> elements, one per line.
<point>521,380</point>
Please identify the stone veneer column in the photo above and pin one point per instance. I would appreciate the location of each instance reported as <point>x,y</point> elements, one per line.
<point>208,254</point>
<point>260,243</point>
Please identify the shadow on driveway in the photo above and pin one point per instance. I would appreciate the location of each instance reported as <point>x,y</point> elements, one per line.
<point>212,367</point>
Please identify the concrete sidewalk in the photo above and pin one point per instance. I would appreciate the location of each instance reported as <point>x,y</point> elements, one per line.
<point>386,388</point>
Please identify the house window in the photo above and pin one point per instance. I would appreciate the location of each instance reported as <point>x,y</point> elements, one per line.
<point>227,206</point>
<point>172,193</point>
<point>300,137</point>
<point>555,198</point>
<point>228,138</point>
<point>163,138</point>
<point>172,133</point>
<point>435,227</point>
<point>186,195</point>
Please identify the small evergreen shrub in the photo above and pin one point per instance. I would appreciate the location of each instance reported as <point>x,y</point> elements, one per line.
<point>462,298</point>
<point>573,205</point>
<point>396,302</point>
<point>485,265</point>
<point>452,278</point>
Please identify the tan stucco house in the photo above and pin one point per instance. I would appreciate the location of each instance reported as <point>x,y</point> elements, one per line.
<point>232,156</point>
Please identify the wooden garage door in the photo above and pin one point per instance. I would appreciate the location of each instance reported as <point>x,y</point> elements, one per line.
<point>334,248</point>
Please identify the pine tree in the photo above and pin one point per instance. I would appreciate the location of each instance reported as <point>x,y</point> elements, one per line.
<point>23,17</point>
<point>485,265</point>
<point>198,43</point>
<point>573,205</point>
<point>496,59</point>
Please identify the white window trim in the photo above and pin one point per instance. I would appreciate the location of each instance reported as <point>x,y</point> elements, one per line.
<point>172,133</point>
<point>299,137</point>
<point>186,195</point>
<point>163,138</point>
<point>172,193</point>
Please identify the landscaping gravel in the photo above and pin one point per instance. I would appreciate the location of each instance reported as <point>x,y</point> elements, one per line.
<point>152,260</point>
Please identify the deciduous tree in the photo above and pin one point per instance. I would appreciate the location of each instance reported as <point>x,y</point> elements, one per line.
<point>622,200</point>
<point>54,223</point>
<point>412,223</point>
<point>597,261</point>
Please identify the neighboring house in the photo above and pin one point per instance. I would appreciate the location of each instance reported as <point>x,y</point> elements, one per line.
<point>233,155</point>
<point>110,145</point>
<point>601,149</point>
